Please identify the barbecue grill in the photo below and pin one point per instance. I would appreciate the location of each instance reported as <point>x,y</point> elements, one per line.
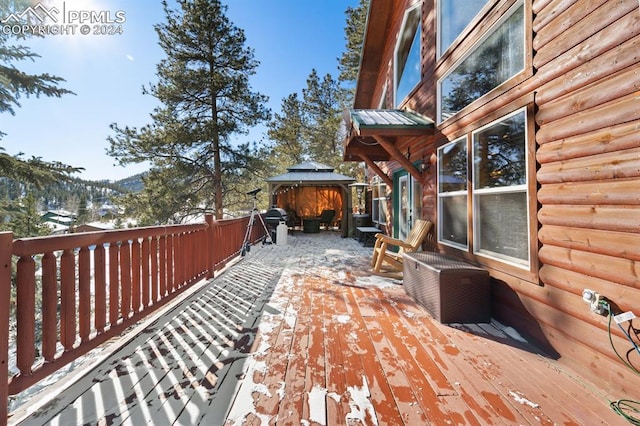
<point>273,217</point>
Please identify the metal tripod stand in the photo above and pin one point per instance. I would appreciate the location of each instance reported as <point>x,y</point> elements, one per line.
<point>246,244</point>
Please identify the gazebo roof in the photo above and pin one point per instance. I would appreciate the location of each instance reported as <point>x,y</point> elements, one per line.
<point>310,173</point>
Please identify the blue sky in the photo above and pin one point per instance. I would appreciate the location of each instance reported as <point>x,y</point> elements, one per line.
<point>107,72</point>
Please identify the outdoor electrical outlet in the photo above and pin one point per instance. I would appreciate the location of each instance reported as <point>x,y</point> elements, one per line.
<point>594,298</point>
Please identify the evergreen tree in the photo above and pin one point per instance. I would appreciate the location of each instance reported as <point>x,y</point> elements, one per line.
<point>22,218</point>
<point>83,215</point>
<point>349,62</point>
<point>286,131</point>
<point>323,103</point>
<point>14,84</point>
<point>206,99</point>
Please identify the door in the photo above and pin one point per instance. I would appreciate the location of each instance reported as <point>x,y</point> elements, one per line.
<point>409,204</point>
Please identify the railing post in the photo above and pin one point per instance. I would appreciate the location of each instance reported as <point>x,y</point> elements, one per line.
<point>210,235</point>
<point>6,248</point>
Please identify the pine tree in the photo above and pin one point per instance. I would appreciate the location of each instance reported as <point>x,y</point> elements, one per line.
<point>323,103</point>
<point>349,62</point>
<point>286,131</point>
<point>14,84</point>
<point>206,99</point>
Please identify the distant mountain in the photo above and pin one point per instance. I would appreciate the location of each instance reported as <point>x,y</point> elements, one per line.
<point>132,183</point>
<point>67,194</point>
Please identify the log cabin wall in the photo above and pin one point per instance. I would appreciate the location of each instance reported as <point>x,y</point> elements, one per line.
<point>582,88</point>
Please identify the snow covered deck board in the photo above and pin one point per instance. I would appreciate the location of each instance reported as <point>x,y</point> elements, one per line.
<point>304,334</point>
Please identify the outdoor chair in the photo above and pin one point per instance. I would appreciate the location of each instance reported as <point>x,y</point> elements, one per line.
<point>326,217</point>
<point>382,253</point>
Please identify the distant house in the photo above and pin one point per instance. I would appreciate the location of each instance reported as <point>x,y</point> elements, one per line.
<point>61,217</point>
<point>58,220</point>
<point>514,125</point>
<point>93,226</point>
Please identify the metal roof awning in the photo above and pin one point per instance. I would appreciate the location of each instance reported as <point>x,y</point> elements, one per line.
<point>372,135</point>
<point>365,128</point>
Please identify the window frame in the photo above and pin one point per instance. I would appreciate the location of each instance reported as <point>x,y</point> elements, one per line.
<point>379,202</point>
<point>466,192</point>
<point>530,273</point>
<point>466,30</point>
<point>475,46</point>
<point>520,188</point>
<point>396,78</point>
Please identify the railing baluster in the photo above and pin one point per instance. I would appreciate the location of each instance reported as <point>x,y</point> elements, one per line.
<point>26,309</point>
<point>68,299</point>
<point>162,261</point>
<point>49,306</point>
<point>125,278</point>
<point>114,283</point>
<point>170,260</point>
<point>178,263</point>
<point>155,273</point>
<point>135,275</point>
<point>145,272</point>
<point>84,290</point>
<point>99,283</point>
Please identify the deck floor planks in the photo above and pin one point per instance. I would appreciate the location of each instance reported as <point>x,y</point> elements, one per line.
<point>337,364</point>
<point>291,410</point>
<point>523,374</point>
<point>478,392</point>
<point>536,375</point>
<point>315,375</point>
<point>406,399</point>
<point>488,370</point>
<point>472,387</point>
<point>425,378</point>
<point>381,395</point>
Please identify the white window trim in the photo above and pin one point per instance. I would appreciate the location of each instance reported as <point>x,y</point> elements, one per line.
<point>441,195</point>
<point>525,265</point>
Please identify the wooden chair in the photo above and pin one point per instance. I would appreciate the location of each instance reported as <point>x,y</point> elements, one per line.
<point>383,254</point>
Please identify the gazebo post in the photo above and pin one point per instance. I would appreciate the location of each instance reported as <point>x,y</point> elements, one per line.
<point>347,209</point>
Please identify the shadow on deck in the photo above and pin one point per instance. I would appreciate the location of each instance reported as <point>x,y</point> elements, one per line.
<point>304,334</point>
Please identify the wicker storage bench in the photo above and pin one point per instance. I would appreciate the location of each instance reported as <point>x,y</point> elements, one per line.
<point>452,290</point>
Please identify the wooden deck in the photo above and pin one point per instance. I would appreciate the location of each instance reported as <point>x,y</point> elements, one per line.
<point>304,334</point>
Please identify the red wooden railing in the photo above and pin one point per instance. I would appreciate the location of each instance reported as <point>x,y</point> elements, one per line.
<point>135,271</point>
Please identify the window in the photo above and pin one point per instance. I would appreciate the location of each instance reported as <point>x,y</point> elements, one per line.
<point>500,209</point>
<point>407,55</point>
<point>452,193</point>
<point>494,60</point>
<point>499,191</point>
<point>379,202</point>
<point>453,18</point>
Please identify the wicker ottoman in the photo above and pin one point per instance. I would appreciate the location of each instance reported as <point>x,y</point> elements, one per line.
<point>450,289</point>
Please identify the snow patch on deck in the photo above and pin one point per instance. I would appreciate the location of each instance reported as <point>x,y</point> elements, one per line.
<point>376,281</point>
<point>318,405</point>
<point>519,398</point>
<point>360,403</point>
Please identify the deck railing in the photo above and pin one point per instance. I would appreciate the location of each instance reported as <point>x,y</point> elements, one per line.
<point>94,285</point>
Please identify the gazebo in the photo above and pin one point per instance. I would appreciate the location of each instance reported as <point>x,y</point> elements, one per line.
<point>311,187</point>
